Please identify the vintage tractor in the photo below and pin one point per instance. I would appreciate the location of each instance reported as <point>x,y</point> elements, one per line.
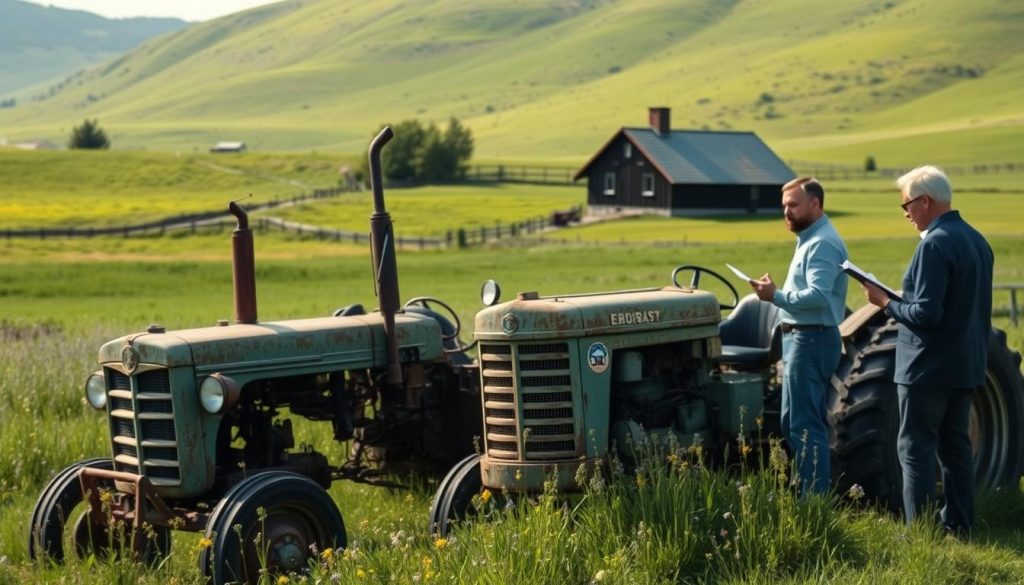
<point>199,435</point>
<point>569,380</point>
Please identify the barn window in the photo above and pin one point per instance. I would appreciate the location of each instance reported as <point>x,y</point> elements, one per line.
<point>609,183</point>
<point>647,183</point>
<point>627,150</point>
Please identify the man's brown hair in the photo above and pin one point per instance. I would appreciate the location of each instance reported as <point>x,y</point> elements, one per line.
<point>808,185</point>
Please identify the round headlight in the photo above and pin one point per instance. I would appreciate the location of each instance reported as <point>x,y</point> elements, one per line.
<point>96,391</point>
<point>217,393</point>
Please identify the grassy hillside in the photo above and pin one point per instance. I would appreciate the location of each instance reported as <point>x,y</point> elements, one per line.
<point>541,80</point>
<point>40,43</point>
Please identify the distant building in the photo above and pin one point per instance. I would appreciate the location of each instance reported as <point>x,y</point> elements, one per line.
<point>669,172</point>
<point>228,147</point>
<point>35,145</point>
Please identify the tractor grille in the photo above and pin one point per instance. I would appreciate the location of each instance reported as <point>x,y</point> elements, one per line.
<point>528,401</point>
<point>142,425</point>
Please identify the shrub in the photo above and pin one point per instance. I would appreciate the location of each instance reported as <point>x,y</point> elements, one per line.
<point>88,135</point>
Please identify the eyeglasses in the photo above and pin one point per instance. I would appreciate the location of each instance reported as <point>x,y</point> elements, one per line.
<point>907,204</point>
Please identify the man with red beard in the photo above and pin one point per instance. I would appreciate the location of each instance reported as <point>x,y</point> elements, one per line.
<point>812,303</point>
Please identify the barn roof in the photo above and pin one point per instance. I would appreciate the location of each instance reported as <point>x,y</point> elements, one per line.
<point>705,157</point>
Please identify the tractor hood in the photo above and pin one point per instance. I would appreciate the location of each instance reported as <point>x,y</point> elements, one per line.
<point>349,342</point>
<point>534,317</point>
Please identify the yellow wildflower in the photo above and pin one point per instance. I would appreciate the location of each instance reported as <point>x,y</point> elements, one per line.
<point>327,554</point>
<point>519,475</point>
<point>440,543</point>
<point>486,495</point>
<point>282,580</point>
<point>360,573</point>
<point>204,543</point>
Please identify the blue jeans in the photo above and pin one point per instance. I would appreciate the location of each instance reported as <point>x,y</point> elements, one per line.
<point>934,421</point>
<point>811,357</point>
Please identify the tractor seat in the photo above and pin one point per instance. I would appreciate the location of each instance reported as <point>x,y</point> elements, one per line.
<point>751,338</point>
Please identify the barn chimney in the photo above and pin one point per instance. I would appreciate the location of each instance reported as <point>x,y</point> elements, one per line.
<point>659,119</point>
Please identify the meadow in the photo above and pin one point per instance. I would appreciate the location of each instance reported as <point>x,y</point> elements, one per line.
<point>677,523</point>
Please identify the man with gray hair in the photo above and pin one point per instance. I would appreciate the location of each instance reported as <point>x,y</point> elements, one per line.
<point>944,322</point>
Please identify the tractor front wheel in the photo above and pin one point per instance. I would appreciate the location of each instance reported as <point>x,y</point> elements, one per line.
<point>454,500</point>
<point>269,524</point>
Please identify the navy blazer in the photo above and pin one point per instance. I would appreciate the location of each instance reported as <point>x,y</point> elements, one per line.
<point>946,313</point>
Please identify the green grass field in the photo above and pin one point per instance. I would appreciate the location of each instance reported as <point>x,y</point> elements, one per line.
<point>63,297</point>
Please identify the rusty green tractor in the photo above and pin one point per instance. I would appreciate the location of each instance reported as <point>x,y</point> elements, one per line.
<point>201,439</point>
<point>573,380</point>
<point>199,435</point>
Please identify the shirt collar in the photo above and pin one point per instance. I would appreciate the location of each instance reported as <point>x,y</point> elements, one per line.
<point>812,229</point>
<point>951,215</point>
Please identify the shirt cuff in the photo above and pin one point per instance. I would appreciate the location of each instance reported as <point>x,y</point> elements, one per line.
<point>778,298</point>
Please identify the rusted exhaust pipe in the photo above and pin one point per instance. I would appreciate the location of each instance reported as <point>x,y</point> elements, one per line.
<point>382,252</point>
<point>243,267</point>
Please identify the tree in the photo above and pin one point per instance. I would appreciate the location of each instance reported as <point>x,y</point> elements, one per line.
<point>424,154</point>
<point>459,141</point>
<point>434,161</point>
<point>869,164</point>
<point>89,135</point>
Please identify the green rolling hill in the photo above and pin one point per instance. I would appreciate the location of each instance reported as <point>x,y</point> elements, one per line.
<point>40,43</point>
<point>902,80</point>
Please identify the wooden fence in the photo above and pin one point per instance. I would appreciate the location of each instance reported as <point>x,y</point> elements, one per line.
<point>191,222</point>
<point>830,172</point>
<point>462,237</point>
<point>521,174</point>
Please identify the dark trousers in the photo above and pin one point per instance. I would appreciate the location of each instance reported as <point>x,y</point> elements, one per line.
<point>934,422</point>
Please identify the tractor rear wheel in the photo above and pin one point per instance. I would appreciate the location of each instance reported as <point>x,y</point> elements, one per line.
<point>864,416</point>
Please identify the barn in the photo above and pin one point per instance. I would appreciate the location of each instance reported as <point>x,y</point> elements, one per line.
<point>668,172</point>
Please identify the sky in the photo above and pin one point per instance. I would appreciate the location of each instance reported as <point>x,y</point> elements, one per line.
<point>193,10</point>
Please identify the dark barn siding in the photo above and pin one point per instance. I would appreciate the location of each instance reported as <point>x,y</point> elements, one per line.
<point>628,180</point>
<point>727,197</point>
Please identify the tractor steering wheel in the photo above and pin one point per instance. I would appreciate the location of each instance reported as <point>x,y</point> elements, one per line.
<point>425,303</point>
<point>695,281</point>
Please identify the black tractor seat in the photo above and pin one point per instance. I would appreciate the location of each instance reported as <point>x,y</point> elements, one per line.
<point>751,339</point>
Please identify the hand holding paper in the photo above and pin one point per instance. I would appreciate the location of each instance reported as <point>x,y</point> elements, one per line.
<point>739,273</point>
<point>866,277</point>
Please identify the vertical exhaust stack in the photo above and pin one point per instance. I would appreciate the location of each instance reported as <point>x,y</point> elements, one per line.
<point>243,267</point>
<point>382,252</point>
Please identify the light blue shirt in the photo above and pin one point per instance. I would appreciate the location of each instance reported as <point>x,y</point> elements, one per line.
<point>815,289</point>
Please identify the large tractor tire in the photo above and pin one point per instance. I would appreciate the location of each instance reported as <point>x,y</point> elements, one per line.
<point>864,416</point>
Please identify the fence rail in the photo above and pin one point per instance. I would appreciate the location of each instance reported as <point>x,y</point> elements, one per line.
<point>218,221</point>
<point>831,172</point>
<point>521,174</point>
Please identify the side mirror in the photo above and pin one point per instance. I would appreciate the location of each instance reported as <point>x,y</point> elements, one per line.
<point>490,293</point>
